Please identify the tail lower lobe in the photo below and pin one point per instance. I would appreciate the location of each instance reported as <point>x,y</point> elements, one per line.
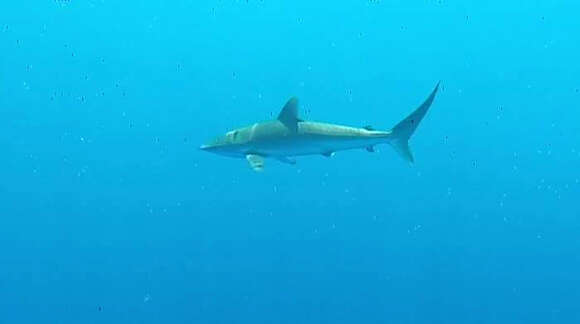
<point>403,131</point>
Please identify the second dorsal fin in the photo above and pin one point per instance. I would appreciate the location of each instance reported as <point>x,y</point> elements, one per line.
<point>289,114</point>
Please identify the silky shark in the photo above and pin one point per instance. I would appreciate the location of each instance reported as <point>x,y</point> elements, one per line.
<point>288,136</point>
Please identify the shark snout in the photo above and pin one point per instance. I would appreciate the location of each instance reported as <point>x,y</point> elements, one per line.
<point>210,148</point>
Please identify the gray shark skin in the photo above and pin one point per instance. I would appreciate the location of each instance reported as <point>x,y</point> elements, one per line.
<point>288,136</point>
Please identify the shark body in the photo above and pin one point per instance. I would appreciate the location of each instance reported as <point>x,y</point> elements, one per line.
<point>288,136</point>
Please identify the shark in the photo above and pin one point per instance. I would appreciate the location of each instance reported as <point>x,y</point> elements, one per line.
<point>288,136</point>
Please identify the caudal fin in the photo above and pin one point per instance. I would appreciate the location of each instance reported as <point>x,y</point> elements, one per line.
<point>403,131</point>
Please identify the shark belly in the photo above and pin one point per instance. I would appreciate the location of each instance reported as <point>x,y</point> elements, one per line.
<point>311,145</point>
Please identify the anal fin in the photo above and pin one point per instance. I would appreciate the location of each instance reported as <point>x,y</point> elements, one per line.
<point>285,159</point>
<point>328,154</point>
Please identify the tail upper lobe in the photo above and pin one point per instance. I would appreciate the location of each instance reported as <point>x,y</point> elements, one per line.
<point>403,131</point>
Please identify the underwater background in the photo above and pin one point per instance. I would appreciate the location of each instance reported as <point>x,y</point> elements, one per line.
<point>109,212</point>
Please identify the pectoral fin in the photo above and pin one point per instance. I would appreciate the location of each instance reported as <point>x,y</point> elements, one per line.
<point>256,162</point>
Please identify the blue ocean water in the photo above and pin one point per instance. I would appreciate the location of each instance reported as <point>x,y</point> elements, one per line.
<point>109,213</point>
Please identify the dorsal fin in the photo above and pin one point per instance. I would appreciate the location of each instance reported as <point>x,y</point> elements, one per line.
<point>289,114</point>
<point>369,128</point>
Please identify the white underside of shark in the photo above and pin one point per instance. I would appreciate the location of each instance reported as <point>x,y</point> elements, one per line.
<point>288,136</point>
